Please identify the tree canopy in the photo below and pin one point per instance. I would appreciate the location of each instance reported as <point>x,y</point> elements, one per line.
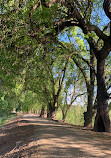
<point>49,46</point>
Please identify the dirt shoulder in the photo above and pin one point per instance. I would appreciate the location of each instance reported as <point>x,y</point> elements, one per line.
<point>31,136</point>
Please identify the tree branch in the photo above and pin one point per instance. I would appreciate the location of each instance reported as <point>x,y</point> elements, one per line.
<point>82,70</point>
<point>106,6</point>
<point>98,32</point>
<point>64,72</point>
<point>77,97</point>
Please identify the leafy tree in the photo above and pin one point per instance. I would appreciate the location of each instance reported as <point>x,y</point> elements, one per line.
<point>46,76</point>
<point>30,25</point>
<point>80,13</point>
<point>72,90</point>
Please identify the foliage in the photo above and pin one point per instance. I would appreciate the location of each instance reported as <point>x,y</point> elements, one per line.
<point>37,66</point>
<point>74,116</point>
<point>27,101</point>
<point>5,119</point>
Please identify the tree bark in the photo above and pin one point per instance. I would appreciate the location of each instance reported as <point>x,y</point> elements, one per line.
<point>64,115</point>
<point>90,92</point>
<point>55,108</point>
<point>102,121</point>
<point>42,111</point>
<point>89,114</point>
<point>50,110</point>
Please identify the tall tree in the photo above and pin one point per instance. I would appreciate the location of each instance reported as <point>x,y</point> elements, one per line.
<point>79,13</point>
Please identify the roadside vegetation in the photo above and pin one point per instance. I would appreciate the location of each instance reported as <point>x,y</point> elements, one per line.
<point>5,119</point>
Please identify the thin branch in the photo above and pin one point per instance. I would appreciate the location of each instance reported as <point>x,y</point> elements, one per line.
<point>87,62</point>
<point>77,97</point>
<point>82,70</point>
<point>64,72</point>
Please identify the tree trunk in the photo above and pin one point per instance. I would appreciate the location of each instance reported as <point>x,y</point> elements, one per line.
<point>55,108</point>
<point>50,111</point>
<point>102,121</point>
<point>64,115</point>
<point>90,91</point>
<point>56,97</point>
<point>89,114</point>
<point>42,111</point>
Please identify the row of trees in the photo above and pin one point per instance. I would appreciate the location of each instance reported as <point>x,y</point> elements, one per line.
<point>41,69</point>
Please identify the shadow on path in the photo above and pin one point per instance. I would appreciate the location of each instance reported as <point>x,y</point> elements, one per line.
<point>42,138</point>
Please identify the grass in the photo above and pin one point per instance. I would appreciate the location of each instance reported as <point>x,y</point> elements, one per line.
<point>75,115</point>
<point>5,119</point>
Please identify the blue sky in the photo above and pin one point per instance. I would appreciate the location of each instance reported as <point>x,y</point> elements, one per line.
<point>103,22</point>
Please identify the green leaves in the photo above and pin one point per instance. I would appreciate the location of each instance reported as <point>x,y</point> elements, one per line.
<point>28,100</point>
<point>33,55</point>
